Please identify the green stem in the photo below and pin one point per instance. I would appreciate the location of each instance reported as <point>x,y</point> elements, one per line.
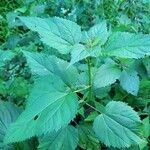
<point>86,87</point>
<point>89,79</point>
<point>92,107</point>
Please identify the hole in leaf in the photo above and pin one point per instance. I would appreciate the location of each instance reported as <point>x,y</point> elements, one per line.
<point>36,117</point>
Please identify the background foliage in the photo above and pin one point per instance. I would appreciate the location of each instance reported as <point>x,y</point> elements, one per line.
<point>16,78</point>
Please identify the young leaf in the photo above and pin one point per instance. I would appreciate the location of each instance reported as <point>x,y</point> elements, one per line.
<point>8,114</point>
<point>129,80</point>
<point>80,52</point>
<point>106,75</point>
<point>118,126</point>
<point>58,33</point>
<point>93,39</point>
<point>128,45</point>
<point>97,35</point>
<point>42,64</point>
<point>51,106</point>
<point>64,139</point>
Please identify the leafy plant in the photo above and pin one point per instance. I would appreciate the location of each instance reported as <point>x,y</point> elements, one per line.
<point>64,97</point>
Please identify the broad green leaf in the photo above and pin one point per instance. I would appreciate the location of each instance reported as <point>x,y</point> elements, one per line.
<point>128,45</point>
<point>42,64</point>
<point>63,139</point>
<point>4,56</point>
<point>51,105</point>
<point>97,35</point>
<point>118,126</point>
<point>8,114</point>
<point>58,33</point>
<point>106,75</point>
<point>80,52</point>
<point>87,139</point>
<point>129,80</point>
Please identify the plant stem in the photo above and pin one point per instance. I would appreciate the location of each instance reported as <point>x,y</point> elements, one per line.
<point>89,79</point>
<point>86,87</point>
<point>92,107</point>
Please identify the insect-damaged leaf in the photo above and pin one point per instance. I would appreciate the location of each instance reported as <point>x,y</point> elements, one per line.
<point>50,106</point>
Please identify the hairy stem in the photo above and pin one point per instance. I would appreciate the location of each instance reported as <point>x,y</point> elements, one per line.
<point>89,79</point>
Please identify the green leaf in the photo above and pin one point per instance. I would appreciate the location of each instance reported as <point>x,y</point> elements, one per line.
<point>146,62</point>
<point>101,92</point>
<point>3,87</point>
<point>91,116</point>
<point>92,39</point>
<point>144,92</point>
<point>4,56</point>
<point>106,75</point>
<point>129,80</point>
<point>64,139</point>
<point>128,45</point>
<point>8,114</point>
<point>50,106</point>
<point>58,33</point>
<point>19,87</point>
<point>42,64</point>
<point>87,139</point>
<point>97,35</point>
<point>118,126</point>
<point>146,127</point>
<point>80,52</point>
